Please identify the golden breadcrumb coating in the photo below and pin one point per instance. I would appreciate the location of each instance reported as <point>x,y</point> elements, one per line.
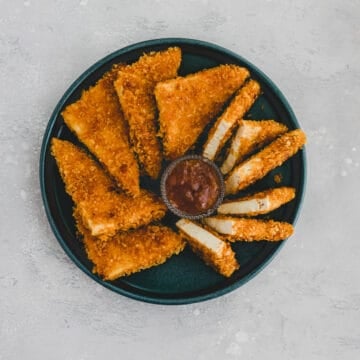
<point>222,259</point>
<point>250,136</point>
<point>104,209</point>
<point>135,88</point>
<point>129,252</point>
<point>260,203</point>
<point>261,163</point>
<point>224,125</point>
<point>98,122</point>
<point>187,104</point>
<point>246,229</point>
<point>223,262</point>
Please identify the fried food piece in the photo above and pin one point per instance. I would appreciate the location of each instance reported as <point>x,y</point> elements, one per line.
<point>135,88</point>
<point>214,251</point>
<point>225,124</point>
<point>98,122</point>
<point>261,163</point>
<point>103,208</point>
<point>129,252</point>
<point>187,104</point>
<point>250,136</point>
<point>244,229</point>
<point>260,203</point>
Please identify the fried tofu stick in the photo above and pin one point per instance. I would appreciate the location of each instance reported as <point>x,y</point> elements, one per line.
<point>250,136</point>
<point>261,163</point>
<point>103,208</point>
<point>244,229</point>
<point>260,203</point>
<point>187,104</point>
<point>135,88</point>
<point>129,252</point>
<point>222,129</point>
<point>98,122</point>
<point>214,251</point>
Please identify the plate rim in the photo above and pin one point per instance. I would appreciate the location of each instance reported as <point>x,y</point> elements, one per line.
<point>171,41</point>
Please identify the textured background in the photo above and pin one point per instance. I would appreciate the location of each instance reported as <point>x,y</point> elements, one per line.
<point>304,305</point>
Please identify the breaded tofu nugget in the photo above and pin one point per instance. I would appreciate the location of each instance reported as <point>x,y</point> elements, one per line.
<point>261,163</point>
<point>135,88</point>
<point>222,129</point>
<point>104,209</point>
<point>132,251</point>
<point>187,104</point>
<point>98,122</point>
<point>214,251</point>
<point>260,203</point>
<point>250,136</point>
<point>245,229</point>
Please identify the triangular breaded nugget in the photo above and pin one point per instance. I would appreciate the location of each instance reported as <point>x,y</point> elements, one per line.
<point>187,104</point>
<point>104,209</point>
<point>251,135</point>
<point>98,122</point>
<point>132,251</point>
<point>135,88</point>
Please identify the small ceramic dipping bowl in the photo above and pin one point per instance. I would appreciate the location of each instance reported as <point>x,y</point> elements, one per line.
<point>192,187</point>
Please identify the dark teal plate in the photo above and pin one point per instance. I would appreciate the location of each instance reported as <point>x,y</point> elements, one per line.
<point>184,278</point>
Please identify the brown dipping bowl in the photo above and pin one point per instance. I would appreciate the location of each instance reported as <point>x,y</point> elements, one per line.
<point>192,187</point>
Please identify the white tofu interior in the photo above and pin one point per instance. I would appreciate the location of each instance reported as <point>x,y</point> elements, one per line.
<point>215,141</point>
<point>201,235</point>
<point>249,131</point>
<point>231,159</point>
<point>222,226</point>
<point>245,206</point>
<point>232,181</point>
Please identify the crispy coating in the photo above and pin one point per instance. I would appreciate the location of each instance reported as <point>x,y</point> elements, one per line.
<point>135,88</point>
<point>129,252</point>
<point>245,229</point>
<point>187,104</point>
<point>260,203</point>
<point>214,251</point>
<point>98,122</point>
<point>261,163</point>
<point>104,209</point>
<point>250,136</point>
<point>224,125</point>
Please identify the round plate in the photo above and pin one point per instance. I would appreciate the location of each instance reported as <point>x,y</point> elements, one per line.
<point>183,278</point>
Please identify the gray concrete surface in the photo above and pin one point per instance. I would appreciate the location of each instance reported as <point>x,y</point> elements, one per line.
<point>305,305</point>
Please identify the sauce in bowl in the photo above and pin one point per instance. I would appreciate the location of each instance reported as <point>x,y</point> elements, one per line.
<point>192,187</point>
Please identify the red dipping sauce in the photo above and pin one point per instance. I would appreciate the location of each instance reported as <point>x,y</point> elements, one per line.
<point>193,186</point>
